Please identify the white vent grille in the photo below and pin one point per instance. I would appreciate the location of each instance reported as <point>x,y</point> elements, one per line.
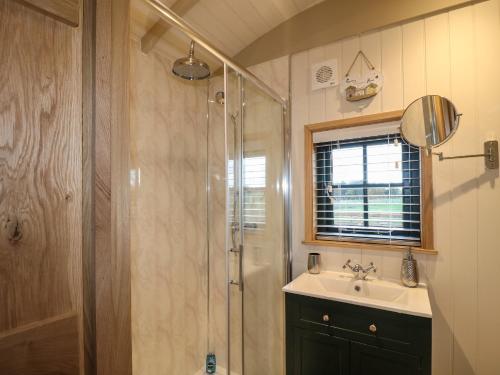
<point>324,74</point>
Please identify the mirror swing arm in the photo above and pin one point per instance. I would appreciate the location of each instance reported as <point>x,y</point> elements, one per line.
<point>490,155</point>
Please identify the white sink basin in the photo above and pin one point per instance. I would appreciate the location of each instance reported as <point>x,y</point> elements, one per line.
<point>381,294</point>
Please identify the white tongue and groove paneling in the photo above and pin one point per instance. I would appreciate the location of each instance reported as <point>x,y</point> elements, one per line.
<point>332,97</point>
<point>487,103</point>
<point>464,193</point>
<point>454,54</point>
<point>350,48</point>
<point>414,82</point>
<point>370,44</point>
<point>437,69</point>
<point>317,97</point>
<point>391,62</point>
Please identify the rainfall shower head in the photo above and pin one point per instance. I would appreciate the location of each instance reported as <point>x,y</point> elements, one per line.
<point>190,67</point>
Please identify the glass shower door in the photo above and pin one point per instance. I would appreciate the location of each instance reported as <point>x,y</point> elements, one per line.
<point>257,267</point>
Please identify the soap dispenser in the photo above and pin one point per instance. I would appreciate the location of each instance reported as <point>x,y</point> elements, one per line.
<point>409,270</point>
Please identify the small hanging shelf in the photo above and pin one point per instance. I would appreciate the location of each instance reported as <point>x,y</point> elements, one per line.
<point>362,87</point>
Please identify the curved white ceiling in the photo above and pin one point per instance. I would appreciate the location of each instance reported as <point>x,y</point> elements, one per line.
<point>234,24</point>
<point>231,25</point>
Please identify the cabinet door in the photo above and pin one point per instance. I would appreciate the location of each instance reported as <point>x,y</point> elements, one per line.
<point>316,353</point>
<point>370,360</point>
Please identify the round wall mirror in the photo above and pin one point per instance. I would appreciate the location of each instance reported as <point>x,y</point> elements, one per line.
<point>429,121</point>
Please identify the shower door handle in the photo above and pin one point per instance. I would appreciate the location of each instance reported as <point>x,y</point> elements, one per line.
<point>240,268</point>
<point>240,271</point>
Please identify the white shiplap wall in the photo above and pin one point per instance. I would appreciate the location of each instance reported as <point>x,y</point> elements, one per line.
<point>457,55</point>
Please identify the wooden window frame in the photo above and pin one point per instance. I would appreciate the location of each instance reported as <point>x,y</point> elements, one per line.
<point>427,227</point>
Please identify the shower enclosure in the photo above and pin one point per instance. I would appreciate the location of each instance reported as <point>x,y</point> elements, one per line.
<point>209,193</point>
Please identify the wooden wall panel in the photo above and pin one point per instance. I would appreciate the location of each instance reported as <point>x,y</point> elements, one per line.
<point>88,150</point>
<point>41,263</point>
<point>111,184</point>
<point>40,167</point>
<point>67,11</point>
<point>45,347</point>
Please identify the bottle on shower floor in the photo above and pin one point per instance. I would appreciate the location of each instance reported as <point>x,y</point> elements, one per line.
<point>211,365</point>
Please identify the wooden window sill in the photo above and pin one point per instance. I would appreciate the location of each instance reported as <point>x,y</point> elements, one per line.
<point>368,246</point>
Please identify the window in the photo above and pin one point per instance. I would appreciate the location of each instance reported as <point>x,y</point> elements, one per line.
<point>254,182</point>
<point>365,184</point>
<point>368,189</point>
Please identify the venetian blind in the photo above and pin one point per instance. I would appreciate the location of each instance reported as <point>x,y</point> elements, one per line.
<point>368,189</point>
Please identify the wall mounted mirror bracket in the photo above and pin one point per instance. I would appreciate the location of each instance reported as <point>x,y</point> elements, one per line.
<point>490,155</point>
<point>432,120</point>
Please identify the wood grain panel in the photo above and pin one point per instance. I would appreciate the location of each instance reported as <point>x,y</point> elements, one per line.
<point>368,246</point>
<point>111,183</point>
<point>375,118</point>
<point>67,11</point>
<point>308,187</point>
<point>40,167</point>
<point>42,348</point>
<point>88,349</point>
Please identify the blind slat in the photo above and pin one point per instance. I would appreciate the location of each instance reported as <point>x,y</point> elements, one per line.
<point>394,215</point>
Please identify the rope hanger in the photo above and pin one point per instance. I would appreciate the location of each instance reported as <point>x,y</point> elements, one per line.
<point>368,63</point>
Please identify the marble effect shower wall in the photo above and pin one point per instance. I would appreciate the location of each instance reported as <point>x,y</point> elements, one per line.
<point>168,218</point>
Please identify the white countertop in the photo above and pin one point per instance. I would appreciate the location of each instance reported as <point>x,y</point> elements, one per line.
<point>372,292</point>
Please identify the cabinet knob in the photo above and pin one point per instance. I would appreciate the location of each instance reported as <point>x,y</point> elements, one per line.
<point>326,318</point>
<point>372,328</point>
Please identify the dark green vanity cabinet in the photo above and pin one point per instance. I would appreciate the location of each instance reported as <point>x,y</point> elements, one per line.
<point>332,338</point>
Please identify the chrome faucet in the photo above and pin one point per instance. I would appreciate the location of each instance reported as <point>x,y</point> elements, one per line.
<point>358,270</point>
